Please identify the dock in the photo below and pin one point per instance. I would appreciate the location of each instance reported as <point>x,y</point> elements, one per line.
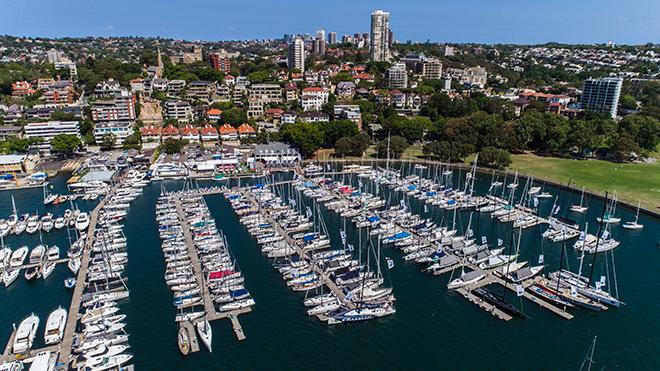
<point>330,284</point>
<point>209,306</point>
<point>192,334</point>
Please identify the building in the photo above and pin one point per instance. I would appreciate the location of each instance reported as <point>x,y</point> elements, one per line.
<point>314,116</point>
<point>17,164</point>
<point>380,27</point>
<point>255,107</point>
<point>188,57</point>
<point>475,76</point>
<point>44,113</point>
<point>246,131</point>
<point>332,38</point>
<point>209,134</point>
<point>178,110</point>
<point>318,46</point>
<point>137,84</point>
<point>601,95</point>
<point>120,129</point>
<point>220,62</point>
<point>276,154</point>
<point>288,117</point>
<point>345,90</point>
<point>432,69</point>
<point>150,133</point>
<point>449,51</point>
<point>120,106</point>
<point>189,133</point>
<point>170,132</point>
<point>228,132</point>
<point>296,55</point>
<point>49,130</point>
<point>267,93</point>
<point>21,89</point>
<point>348,112</point>
<point>201,90</point>
<point>214,114</point>
<point>54,56</point>
<point>8,131</point>
<point>397,76</point>
<point>59,96</point>
<point>291,92</point>
<point>313,98</point>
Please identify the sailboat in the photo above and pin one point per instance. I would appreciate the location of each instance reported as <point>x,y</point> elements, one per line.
<point>514,184</point>
<point>205,332</point>
<point>634,224</point>
<point>49,197</point>
<point>579,208</point>
<point>609,217</point>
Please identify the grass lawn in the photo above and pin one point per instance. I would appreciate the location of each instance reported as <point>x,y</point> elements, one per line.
<point>632,182</point>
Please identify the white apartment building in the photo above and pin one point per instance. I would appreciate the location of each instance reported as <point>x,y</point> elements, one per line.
<point>296,55</point>
<point>432,69</point>
<point>179,110</point>
<point>49,130</point>
<point>380,34</point>
<point>268,93</point>
<point>120,129</point>
<point>397,76</point>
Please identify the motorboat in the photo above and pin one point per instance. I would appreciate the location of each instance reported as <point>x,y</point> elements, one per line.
<point>25,334</point>
<point>70,282</point>
<point>55,326</point>
<point>33,224</point>
<point>48,269</point>
<point>47,223</point>
<point>53,253</point>
<point>32,272</point>
<point>183,340</point>
<point>9,276</point>
<point>37,254</point>
<point>107,363</point>
<point>74,265</point>
<point>18,257</point>
<point>82,221</point>
<point>60,222</point>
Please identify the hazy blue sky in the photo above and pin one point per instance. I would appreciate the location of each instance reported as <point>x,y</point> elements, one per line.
<point>488,21</point>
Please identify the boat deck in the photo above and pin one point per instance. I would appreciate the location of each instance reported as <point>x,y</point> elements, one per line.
<point>192,334</point>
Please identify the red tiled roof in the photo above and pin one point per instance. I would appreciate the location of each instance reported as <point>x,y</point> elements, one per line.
<point>227,129</point>
<point>208,129</point>
<point>213,111</point>
<point>312,89</point>
<point>245,128</point>
<point>189,129</point>
<point>274,111</point>
<point>149,130</point>
<point>170,130</point>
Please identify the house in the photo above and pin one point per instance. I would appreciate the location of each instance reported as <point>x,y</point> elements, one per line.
<point>246,131</point>
<point>314,117</point>
<point>189,133</point>
<point>348,112</point>
<point>230,80</point>
<point>345,90</point>
<point>313,98</point>
<point>274,114</point>
<point>201,90</point>
<point>137,84</point>
<point>150,133</point>
<point>290,92</point>
<point>228,132</point>
<point>255,107</point>
<point>170,131</point>
<point>214,114</point>
<point>288,117</point>
<point>178,110</point>
<point>209,134</point>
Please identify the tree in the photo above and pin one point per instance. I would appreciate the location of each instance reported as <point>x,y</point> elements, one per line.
<point>494,157</point>
<point>628,102</point>
<point>65,144</point>
<point>624,147</point>
<point>108,141</point>
<point>172,146</point>
<point>352,146</point>
<point>133,141</point>
<point>305,136</point>
<point>397,145</point>
<point>645,130</point>
<point>233,116</point>
<point>334,130</point>
<point>447,151</point>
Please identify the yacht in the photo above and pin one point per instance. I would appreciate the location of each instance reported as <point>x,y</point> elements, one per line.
<point>9,276</point>
<point>32,272</point>
<point>55,326</point>
<point>5,228</point>
<point>25,334</point>
<point>33,224</point>
<point>47,223</point>
<point>5,255</point>
<point>107,363</point>
<point>205,332</point>
<point>82,221</point>
<point>59,223</point>
<point>53,253</point>
<point>18,257</point>
<point>74,265</point>
<point>466,279</point>
<point>37,254</point>
<point>48,269</point>
<point>634,224</point>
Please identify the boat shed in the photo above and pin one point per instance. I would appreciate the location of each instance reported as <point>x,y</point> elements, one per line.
<point>106,176</point>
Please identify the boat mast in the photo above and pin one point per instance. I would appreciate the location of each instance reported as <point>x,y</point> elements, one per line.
<point>600,227</point>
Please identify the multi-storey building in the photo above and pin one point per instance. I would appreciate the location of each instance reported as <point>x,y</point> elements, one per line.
<point>49,130</point>
<point>178,110</point>
<point>601,95</point>
<point>432,69</point>
<point>380,26</point>
<point>202,90</point>
<point>296,55</point>
<point>220,62</point>
<point>120,130</point>
<point>397,76</point>
<point>118,107</point>
<point>268,93</point>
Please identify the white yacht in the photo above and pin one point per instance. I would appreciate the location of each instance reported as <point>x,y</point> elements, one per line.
<point>82,221</point>
<point>465,279</point>
<point>25,334</point>
<point>37,254</point>
<point>9,276</point>
<point>48,269</point>
<point>33,224</point>
<point>205,332</point>
<point>53,253</point>
<point>18,257</point>
<point>55,326</point>
<point>60,223</point>
<point>47,223</point>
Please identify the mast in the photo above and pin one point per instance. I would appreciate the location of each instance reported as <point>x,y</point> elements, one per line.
<point>600,227</point>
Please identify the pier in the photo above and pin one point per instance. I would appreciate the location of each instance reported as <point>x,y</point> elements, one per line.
<point>330,284</point>
<point>192,334</point>
<point>209,306</point>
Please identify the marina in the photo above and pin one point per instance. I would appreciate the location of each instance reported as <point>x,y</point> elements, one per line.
<point>422,299</point>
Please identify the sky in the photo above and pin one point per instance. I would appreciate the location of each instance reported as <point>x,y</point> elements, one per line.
<point>462,21</point>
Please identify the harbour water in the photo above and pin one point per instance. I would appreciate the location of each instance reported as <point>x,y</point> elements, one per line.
<point>432,328</point>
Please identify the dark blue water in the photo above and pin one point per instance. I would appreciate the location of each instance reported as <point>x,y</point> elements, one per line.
<point>432,328</point>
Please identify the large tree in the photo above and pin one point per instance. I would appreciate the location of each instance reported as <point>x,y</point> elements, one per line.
<point>108,141</point>
<point>65,144</point>
<point>305,136</point>
<point>395,144</point>
<point>334,130</point>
